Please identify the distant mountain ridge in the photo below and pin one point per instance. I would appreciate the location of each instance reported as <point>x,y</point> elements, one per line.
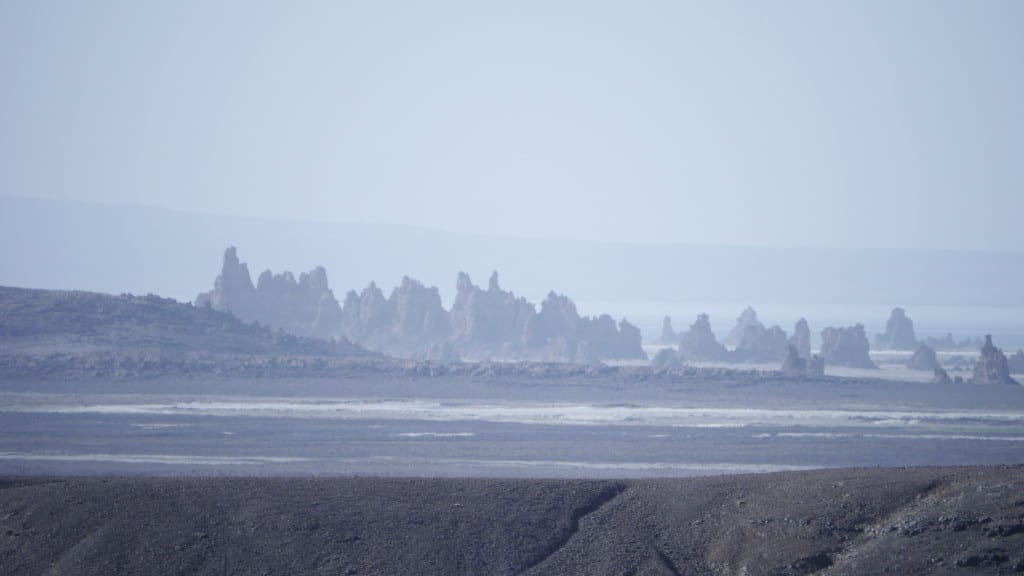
<point>117,249</point>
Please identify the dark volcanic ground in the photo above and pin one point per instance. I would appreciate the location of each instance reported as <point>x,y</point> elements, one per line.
<point>852,521</point>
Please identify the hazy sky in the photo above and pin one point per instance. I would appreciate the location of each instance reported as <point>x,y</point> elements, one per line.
<point>805,123</point>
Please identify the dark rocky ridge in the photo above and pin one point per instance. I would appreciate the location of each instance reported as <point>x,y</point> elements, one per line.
<point>853,521</point>
<point>49,321</point>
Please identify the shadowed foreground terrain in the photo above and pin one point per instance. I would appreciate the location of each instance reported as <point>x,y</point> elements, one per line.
<point>855,521</point>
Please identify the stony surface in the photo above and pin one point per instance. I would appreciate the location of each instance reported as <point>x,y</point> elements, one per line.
<point>924,358</point>
<point>992,367</point>
<point>844,521</point>
<point>846,347</point>
<point>899,332</point>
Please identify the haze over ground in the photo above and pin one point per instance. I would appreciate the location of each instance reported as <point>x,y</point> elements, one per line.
<point>867,152</point>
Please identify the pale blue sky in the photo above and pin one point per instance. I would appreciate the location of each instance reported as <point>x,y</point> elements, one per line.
<point>794,123</point>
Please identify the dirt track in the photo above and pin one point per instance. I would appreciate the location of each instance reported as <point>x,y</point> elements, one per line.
<point>901,521</point>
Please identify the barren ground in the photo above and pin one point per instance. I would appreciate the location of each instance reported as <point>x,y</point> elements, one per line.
<point>851,521</point>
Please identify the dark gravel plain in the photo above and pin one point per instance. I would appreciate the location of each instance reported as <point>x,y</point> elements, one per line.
<point>851,521</point>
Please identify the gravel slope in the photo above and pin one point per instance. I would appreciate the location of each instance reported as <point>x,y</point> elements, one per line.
<point>856,521</point>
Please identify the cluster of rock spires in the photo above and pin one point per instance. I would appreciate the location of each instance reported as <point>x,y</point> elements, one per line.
<point>752,342</point>
<point>305,307</point>
<point>412,322</point>
<point>491,322</point>
<point>840,346</point>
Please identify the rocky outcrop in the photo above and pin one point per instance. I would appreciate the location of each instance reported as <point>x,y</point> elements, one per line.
<point>992,367</point>
<point>667,359</point>
<point>846,347</point>
<point>410,323</point>
<point>899,332</point>
<point>417,314</point>
<point>760,344</point>
<point>746,319</point>
<point>488,322</point>
<point>303,307</point>
<point>1016,362</point>
<point>941,377</point>
<point>947,343</point>
<point>560,332</point>
<point>365,316</point>
<point>794,364</point>
<point>816,365</point>
<point>669,337</point>
<point>924,358</point>
<point>699,343</point>
<point>801,338</point>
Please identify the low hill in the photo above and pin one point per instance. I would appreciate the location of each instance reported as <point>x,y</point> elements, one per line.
<point>60,327</point>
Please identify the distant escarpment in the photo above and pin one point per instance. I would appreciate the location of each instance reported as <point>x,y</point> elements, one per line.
<point>412,322</point>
